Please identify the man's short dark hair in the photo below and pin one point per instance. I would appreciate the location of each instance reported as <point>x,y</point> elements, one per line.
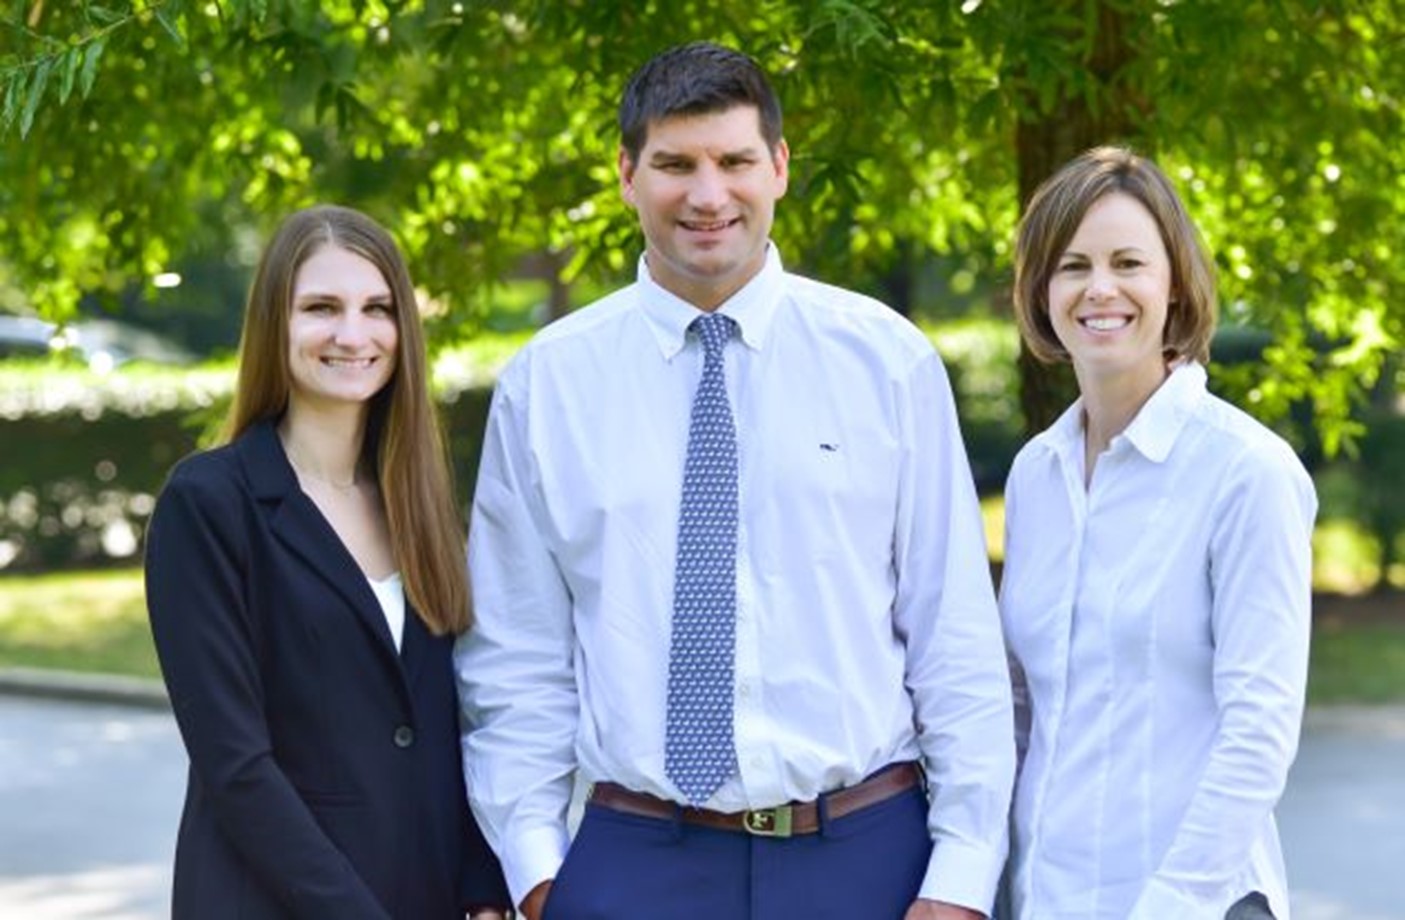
<point>700,78</point>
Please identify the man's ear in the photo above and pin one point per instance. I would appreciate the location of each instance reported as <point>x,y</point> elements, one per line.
<point>627,168</point>
<point>780,159</point>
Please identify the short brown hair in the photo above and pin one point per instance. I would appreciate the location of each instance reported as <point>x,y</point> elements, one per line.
<point>404,443</point>
<point>701,78</point>
<point>1052,219</point>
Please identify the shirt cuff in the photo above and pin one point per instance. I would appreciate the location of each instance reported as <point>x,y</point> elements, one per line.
<point>532,857</point>
<point>963,874</point>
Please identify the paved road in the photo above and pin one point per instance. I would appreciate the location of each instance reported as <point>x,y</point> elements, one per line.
<point>90,796</point>
<point>1343,816</point>
<point>89,801</point>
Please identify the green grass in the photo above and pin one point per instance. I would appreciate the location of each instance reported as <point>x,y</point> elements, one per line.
<point>96,621</point>
<point>1357,662</point>
<point>83,621</point>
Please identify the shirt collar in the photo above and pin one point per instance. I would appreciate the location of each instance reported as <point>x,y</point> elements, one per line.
<point>1153,431</point>
<point>753,307</point>
<point>1066,434</point>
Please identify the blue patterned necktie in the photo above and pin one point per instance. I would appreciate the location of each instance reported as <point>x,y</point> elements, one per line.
<point>699,750</point>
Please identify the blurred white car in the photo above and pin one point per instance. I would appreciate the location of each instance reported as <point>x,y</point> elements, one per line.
<point>24,335</point>
<point>102,343</point>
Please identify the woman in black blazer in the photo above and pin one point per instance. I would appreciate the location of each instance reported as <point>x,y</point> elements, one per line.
<point>305,582</point>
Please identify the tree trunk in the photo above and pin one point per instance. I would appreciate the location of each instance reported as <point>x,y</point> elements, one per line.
<point>546,265</point>
<point>897,280</point>
<point>1047,140</point>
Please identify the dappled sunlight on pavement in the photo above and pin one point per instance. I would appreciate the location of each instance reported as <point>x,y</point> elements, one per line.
<point>126,893</point>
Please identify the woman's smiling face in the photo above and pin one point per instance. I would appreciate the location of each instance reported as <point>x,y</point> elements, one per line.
<point>1110,293</point>
<point>342,331</point>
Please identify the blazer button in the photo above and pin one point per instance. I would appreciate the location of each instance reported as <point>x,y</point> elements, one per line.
<point>404,736</point>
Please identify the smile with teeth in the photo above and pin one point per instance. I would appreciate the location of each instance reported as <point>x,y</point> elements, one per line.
<point>1105,323</point>
<point>355,363</point>
<point>709,226</point>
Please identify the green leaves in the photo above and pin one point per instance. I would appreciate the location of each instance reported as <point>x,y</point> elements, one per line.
<point>482,133</point>
<point>68,68</point>
<point>71,61</point>
<point>103,15</point>
<point>35,93</point>
<point>14,93</point>
<point>171,24</point>
<point>74,57</point>
<point>89,71</point>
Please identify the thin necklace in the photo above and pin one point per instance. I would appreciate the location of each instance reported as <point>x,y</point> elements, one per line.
<point>339,486</point>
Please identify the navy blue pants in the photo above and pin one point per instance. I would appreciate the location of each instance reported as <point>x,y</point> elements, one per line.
<point>1250,907</point>
<point>867,864</point>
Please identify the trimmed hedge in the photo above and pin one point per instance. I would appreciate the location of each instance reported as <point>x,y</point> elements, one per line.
<point>82,455</point>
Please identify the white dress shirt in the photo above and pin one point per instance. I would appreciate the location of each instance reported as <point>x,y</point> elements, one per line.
<point>867,631</point>
<point>1161,621</point>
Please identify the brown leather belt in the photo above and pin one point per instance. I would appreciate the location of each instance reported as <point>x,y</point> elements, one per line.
<point>781,821</point>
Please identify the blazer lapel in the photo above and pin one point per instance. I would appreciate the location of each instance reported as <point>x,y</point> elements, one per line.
<point>297,522</point>
<point>414,645</point>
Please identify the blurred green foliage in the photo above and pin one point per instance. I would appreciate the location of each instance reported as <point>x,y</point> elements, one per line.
<point>140,131</point>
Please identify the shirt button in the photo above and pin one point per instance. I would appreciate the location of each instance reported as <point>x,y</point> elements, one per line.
<point>404,736</point>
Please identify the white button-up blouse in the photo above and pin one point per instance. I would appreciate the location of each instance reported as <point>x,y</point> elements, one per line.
<point>1160,618</point>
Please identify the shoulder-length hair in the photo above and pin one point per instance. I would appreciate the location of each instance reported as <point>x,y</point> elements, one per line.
<point>404,444</point>
<point>1052,219</point>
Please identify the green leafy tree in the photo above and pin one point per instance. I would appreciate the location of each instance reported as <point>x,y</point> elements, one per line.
<point>483,133</point>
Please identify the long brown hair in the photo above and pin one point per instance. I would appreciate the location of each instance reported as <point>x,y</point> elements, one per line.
<point>404,443</point>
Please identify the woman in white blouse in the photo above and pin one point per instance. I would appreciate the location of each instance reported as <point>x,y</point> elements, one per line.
<point>1156,590</point>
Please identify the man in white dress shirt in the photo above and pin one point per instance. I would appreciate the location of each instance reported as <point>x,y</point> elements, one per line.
<point>858,758</point>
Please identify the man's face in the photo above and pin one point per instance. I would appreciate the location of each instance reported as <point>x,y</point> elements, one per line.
<point>705,188</point>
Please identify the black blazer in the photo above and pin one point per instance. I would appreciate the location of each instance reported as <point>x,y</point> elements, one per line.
<point>325,778</point>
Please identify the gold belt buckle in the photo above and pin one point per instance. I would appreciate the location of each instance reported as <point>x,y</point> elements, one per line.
<point>768,822</point>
